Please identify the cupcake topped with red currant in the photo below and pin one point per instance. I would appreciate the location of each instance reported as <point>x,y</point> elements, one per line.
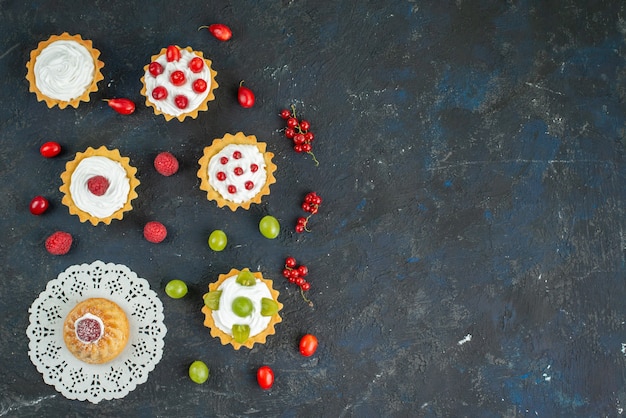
<point>178,83</point>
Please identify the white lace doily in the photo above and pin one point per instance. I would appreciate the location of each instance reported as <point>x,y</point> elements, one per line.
<point>95,382</point>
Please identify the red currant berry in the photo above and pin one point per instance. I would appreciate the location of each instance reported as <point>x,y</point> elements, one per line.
<point>232,189</point>
<point>292,279</point>
<point>301,221</point>
<point>305,286</point>
<point>236,155</point>
<point>238,171</point>
<point>306,207</point>
<point>254,168</point>
<point>299,228</point>
<point>305,125</point>
<point>199,86</point>
<point>290,132</point>
<point>290,262</point>
<point>159,93</point>
<point>293,274</point>
<point>300,281</point>
<point>196,64</point>
<point>249,185</point>
<point>292,122</point>
<point>298,148</point>
<point>177,78</point>
<point>224,160</point>
<point>313,210</point>
<point>181,101</point>
<point>308,137</point>
<point>221,176</point>
<point>286,273</point>
<point>303,270</point>
<point>306,147</point>
<point>298,139</point>
<point>155,68</point>
<point>38,205</point>
<point>285,114</point>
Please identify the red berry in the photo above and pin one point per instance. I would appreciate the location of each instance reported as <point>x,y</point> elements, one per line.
<point>159,93</point>
<point>155,68</point>
<point>308,137</point>
<point>306,207</point>
<point>59,243</point>
<point>300,281</point>
<point>286,273</point>
<point>249,185</point>
<point>178,78</point>
<point>38,205</point>
<point>303,270</point>
<point>238,171</point>
<point>181,101</point>
<point>219,31</point>
<point>245,96</point>
<point>232,189</point>
<point>98,185</point>
<point>172,53</point>
<point>196,64</point>
<point>265,377</point>
<point>298,148</point>
<point>298,139</point>
<point>237,155</point>
<point>50,149</point>
<point>199,86</point>
<point>293,274</point>
<point>290,132</point>
<point>299,228</point>
<point>308,344</point>
<point>306,286</point>
<point>121,106</point>
<point>305,125</point>
<point>285,114</point>
<point>166,164</point>
<point>292,122</point>
<point>221,176</point>
<point>254,168</point>
<point>290,262</point>
<point>154,232</point>
<point>301,220</point>
<point>306,147</point>
<point>224,160</point>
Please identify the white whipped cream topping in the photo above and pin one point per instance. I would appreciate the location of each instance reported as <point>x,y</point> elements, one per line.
<point>250,154</point>
<point>168,105</point>
<point>89,316</point>
<point>114,198</point>
<point>225,318</point>
<point>64,70</point>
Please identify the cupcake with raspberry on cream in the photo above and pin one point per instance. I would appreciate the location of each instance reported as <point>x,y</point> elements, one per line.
<point>178,83</point>
<point>99,185</point>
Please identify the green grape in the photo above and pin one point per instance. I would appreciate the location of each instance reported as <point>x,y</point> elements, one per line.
<point>198,372</point>
<point>242,306</point>
<point>245,278</point>
<point>176,289</point>
<point>241,333</point>
<point>269,227</point>
<point>218,240</point>
<point>268,307</point>
<point>212,300</point>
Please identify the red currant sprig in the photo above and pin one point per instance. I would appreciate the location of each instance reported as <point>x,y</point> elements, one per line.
<point>311,204</point>
<point>298,131</point>
<point>296,274</point>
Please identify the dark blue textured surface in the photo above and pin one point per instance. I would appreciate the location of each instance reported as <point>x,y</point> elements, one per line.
<point>469,258</point>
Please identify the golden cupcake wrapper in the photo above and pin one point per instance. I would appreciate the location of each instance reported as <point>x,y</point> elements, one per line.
<point>217,145</point>
<point>93,87</point>
<point>226,339</point>
<point>67,176</point>
<point>205,103</point>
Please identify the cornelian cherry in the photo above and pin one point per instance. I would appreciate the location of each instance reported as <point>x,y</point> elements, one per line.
<point>199,86</point>
<point>159,93</point>
<point>196,64</point>
<point>181,101</point>
<point>50,149</point>
<point>172,53</point>
<point>178,78</point>
<point>38,205</point>
<point>155,68</point>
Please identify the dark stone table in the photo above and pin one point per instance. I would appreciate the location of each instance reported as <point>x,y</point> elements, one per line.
<point>469,255</point>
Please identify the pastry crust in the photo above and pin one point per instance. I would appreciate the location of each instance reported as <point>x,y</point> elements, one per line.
<point>114,338</point>
<point>93,87</point>
<point>67,176</point>
<point>211,85</point>
<point>226,339</point>
<point>217,145</point>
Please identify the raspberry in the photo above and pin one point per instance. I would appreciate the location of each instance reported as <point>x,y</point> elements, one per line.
<point>166,164</point>
<point>59,243</point>
<point>98,185</point>
<point>155,232</point>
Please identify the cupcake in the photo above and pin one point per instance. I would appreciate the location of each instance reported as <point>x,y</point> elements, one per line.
<point>96,330</point>
<point>98,185</point>
<point>64,70</point>
<point>178,82</point>
<point>241,308</point>
<point>236,171</point>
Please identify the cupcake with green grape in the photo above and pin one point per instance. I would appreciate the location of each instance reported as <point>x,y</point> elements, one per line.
<point>241,308</point>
